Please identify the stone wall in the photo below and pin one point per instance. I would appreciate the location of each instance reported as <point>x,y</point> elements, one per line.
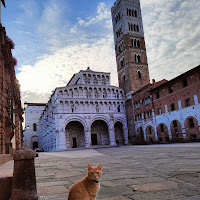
<point>11,133</point>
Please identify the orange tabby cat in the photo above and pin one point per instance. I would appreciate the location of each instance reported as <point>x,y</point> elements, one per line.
<point>88,187</point>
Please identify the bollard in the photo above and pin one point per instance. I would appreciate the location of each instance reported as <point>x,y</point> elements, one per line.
<point>24,181</point>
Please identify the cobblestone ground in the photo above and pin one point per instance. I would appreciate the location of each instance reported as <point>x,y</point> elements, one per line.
<point>153,172</point>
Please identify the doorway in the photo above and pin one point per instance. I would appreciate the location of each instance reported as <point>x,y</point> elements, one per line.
<point>35,145</point>
<point>94,139</point>
<point>74,145</point>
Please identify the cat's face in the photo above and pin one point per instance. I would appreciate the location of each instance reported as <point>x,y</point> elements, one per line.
<point>94,173</point>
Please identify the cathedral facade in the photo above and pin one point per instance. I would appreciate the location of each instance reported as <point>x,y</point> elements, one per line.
<point>87,112</point>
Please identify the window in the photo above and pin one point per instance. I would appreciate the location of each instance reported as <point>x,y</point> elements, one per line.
<point>191,123</point>
<point>157,95</point>
<point>137,58</point>
<point>124,78</point>
<point>139,74</point>
<point>118,108</point>
<point>170,89</point>
<point>34,127</point>
<point>185,84</point>
<point>162,128</point>
<point>159,111</point>
<point>122,62</point>
<point>187,102</point>
<point>172,107</point>
<point>135,43</point>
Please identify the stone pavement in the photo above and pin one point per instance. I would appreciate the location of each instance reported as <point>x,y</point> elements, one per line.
<point>152,172</point>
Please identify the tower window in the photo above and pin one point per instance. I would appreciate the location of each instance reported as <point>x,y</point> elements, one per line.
<point>34,127</point>
<point>139,74</point>
<point>119,32</point>
<point>124,78</point>
<point>122,62</point>
<point>137,58</point>
<point>135,13</point>
<point>135,43</point>
<point>137,28</point>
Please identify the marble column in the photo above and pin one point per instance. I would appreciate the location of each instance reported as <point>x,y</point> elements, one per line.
<point>87,138</point>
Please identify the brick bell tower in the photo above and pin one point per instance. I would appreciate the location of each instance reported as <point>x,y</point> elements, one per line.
<point>132,66</point>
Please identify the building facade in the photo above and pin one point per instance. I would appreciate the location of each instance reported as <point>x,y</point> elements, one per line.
<point>11,132</point>
<point>86,112</point>
<point>169,111</point>
<point>33,112</point>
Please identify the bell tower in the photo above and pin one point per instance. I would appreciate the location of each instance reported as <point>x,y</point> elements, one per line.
<point>131,58</point>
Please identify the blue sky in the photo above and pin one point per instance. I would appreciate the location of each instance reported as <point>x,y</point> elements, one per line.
<point>56,38</point>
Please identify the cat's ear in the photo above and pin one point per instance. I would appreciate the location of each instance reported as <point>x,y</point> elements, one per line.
<point>100,166</point>
<point>89,166</point>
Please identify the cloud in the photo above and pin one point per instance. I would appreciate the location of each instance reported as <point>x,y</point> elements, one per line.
<point>172,33</point>
<point>55,70</point>
<point>103,13</point>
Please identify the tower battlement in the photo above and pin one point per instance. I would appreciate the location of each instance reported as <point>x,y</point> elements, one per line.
<point>118,1</point>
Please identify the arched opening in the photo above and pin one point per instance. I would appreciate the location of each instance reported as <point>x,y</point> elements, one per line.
<point>119,135</point>
<point>99,133</point>
<point>35,142</point>
<point>74,135</point>
<point>176,130</point>
<point>150,134</point>
<point>192,128</point>
<point>140,135</point>
<point>163,135</point>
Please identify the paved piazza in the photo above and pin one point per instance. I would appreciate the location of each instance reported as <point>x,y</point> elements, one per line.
<point>152,172</point>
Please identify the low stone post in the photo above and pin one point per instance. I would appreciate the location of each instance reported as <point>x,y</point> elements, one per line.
<point>24,180</point>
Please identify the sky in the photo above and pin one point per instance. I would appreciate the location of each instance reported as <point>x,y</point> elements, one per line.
<point>56,38</point>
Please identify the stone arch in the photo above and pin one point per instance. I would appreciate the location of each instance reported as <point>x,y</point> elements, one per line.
<point>150,134</point>
<point>119,132</point>
<point>100,132</point>
<point>75,118</point>
<point>176,130</point>
<point>140,135</point>
<point>35,141</point>
<point>74,134</point>
<point>163,134</point>
<point>192,128</point>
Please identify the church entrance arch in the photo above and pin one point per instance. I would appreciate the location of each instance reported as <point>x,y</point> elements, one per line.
<point>99,133</point>
<point>119,134</point>
<point>74,134</point>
